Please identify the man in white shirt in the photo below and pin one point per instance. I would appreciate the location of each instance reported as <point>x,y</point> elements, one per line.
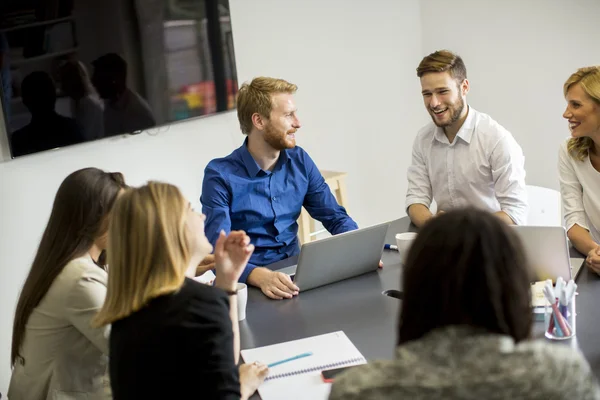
<point>464,157</point>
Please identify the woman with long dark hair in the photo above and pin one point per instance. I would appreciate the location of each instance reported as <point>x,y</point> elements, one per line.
<point>55,351</point>
<point>465,324</point>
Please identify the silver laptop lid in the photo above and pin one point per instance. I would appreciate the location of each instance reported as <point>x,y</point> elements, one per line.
<point>547,250</point>
<point>340,257</point>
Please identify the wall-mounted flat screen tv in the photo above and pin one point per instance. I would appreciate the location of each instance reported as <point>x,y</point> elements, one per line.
<point>80,70</point>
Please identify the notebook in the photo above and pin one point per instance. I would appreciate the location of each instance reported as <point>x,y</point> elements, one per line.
<point>538,300</point>
<point>301,378</point>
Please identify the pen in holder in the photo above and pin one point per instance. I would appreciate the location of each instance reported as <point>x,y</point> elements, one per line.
<point>559,315</point>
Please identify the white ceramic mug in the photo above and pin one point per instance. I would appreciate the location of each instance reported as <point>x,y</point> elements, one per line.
<point>404,241</point>
<point>242,300</point>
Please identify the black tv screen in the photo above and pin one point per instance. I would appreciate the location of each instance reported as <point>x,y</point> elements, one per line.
<point>80,70</point>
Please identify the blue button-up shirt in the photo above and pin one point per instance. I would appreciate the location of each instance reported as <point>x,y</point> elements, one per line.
<point>238,195</point>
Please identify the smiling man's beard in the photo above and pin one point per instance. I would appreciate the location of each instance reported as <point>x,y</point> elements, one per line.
<point>276,139</point>
<point>455,110</point>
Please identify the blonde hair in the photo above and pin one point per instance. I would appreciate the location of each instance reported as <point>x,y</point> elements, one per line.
<point>589,80</point>
<point>147,249</point>
<point>442,61</point>
<point>255,97</point>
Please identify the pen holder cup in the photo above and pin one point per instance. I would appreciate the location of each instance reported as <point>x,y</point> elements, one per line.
<point>555,325</point>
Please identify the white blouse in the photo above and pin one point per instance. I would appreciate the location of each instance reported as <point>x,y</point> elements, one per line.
<point>580,191</point>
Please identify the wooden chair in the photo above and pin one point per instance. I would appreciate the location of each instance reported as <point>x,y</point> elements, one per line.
<point>306,225</point>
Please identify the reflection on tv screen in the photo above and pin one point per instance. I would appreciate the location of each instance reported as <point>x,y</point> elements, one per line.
<point>80,70</point>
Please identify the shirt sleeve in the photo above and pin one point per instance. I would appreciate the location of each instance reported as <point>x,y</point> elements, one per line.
<point>210,336</point>
<point>571,191</point>
<point>508,173</point>
<point>83,302</point>
<point>419,184</point>
<point>322,205</point>
<point>216,200</point>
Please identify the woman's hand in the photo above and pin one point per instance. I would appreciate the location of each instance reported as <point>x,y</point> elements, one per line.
<point>251,376</point>
<point>232,253</point>
<point>206,265</point>
<point>593,260</point>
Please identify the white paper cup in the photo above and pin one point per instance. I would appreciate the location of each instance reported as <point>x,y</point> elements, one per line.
<point>404,241</point>
<point>242,300</point>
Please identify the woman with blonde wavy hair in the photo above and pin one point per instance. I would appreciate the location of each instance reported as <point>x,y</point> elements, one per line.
<point>579,164</point>
<point>172,337</point>
<point>87,107</point>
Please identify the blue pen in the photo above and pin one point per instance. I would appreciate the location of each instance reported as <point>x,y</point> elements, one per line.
<point>289,359</point>
<point>390,247</point>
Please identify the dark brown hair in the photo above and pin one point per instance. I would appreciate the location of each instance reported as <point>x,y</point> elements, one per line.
<point>442,61</point>
<point>466,267</point>
<point>79,216</point>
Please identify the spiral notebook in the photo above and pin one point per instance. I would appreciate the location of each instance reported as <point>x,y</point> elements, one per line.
<point>301,378</point>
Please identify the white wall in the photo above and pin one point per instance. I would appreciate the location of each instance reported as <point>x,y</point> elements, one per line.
<point>518,55</point>
<point>358,101</point>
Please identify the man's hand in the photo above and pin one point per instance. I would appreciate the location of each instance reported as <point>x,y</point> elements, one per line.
<point>593,260</point>
<point>231,256</point>
<point>273,284</point>
<point>206,265</point>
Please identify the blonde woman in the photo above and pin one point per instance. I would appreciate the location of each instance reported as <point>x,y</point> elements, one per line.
<point>56,354</point>
<point>579,164</point>
<point>173,337</point>
<point>87,107</point>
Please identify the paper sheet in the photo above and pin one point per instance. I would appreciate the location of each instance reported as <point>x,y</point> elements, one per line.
<point>207,278</point>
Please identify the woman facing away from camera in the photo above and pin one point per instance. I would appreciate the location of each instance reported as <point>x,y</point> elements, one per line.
<point>172,337</point>
<point>465,322</point>
<point>56,354</point>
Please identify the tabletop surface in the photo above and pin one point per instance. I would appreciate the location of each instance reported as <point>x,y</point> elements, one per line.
<point>358,307</point>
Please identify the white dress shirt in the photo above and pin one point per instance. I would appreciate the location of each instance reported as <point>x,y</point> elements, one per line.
<point>64,357</point>
<point>483,167</point>
<point>580,192</point>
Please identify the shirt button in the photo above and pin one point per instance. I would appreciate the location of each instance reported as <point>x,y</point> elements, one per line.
<point>274,198</point>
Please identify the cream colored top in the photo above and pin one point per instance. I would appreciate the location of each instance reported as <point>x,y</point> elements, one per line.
<point>64,357</point>
<point>580,191</point>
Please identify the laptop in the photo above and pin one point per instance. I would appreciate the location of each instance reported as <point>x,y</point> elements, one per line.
<point>337,257</point>
<point>547,249</point>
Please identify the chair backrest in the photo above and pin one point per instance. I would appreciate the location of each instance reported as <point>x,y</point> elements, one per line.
<point>545,206</point>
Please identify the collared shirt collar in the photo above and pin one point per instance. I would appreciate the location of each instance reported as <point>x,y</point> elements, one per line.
<point>252,166</point>
<point>465,132</point>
